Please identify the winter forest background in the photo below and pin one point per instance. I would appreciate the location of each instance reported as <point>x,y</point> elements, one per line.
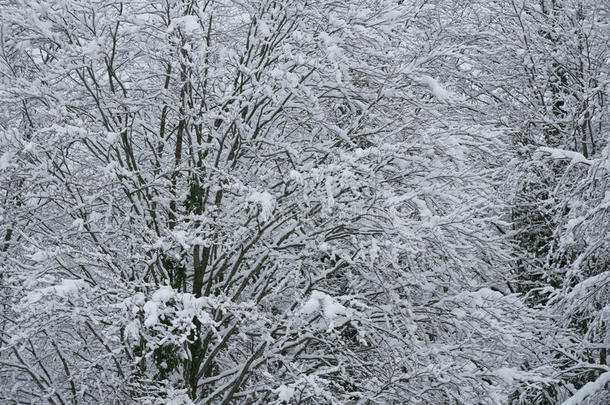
<point>304,202</point>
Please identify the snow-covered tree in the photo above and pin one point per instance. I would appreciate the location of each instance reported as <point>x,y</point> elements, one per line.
<point>547,80</point>
<point>258,201</point>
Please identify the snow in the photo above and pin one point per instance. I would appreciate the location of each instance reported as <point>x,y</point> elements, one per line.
<point>133,329</point>
<point>152,307</point>
<point>562,154</point>
<point>39,256</point>
<point>374,250</point>
<point>163,294</point>
<point>138,299</point>
<point>312,305</point>
<point>585,287</point>
<point>193,307</point>
<point>335,21</point>
<point>92,49</point>
<point>424,212</point>
<point>111,137</point>
<point>383,232</point>
<point>79,224</point>
<point>30,147</point>
<point>5,160</point>
<point>284,393</point>
<point>332,309</point>
<point>507,374</point>
<point>67,287</point>
<point>266,203</point>
<point>589,389</point>
<point>183,309</point>
<point>151,311</point>
<point>263,29</point>
<point>322,301</point>
<point>459,313</point>
<point>297,177</point>
<point>330,192</point>
<point>188,23</point>
<point>435,87</point>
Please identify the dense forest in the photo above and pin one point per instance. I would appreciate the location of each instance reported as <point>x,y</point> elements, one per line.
<point>304,202</point>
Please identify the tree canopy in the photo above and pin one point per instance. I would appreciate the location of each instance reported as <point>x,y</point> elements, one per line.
<point>295,201</point>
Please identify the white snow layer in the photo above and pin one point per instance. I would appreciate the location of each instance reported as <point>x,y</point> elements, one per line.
<point>435,87</point>
<point>188,23</point>
<point>67,288</point>
<point>589,389</point>
<point>266,203</point>
<point>5,160</point>
<point>562,154</point>
<point>321,301</point>
<point>284,393</point>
